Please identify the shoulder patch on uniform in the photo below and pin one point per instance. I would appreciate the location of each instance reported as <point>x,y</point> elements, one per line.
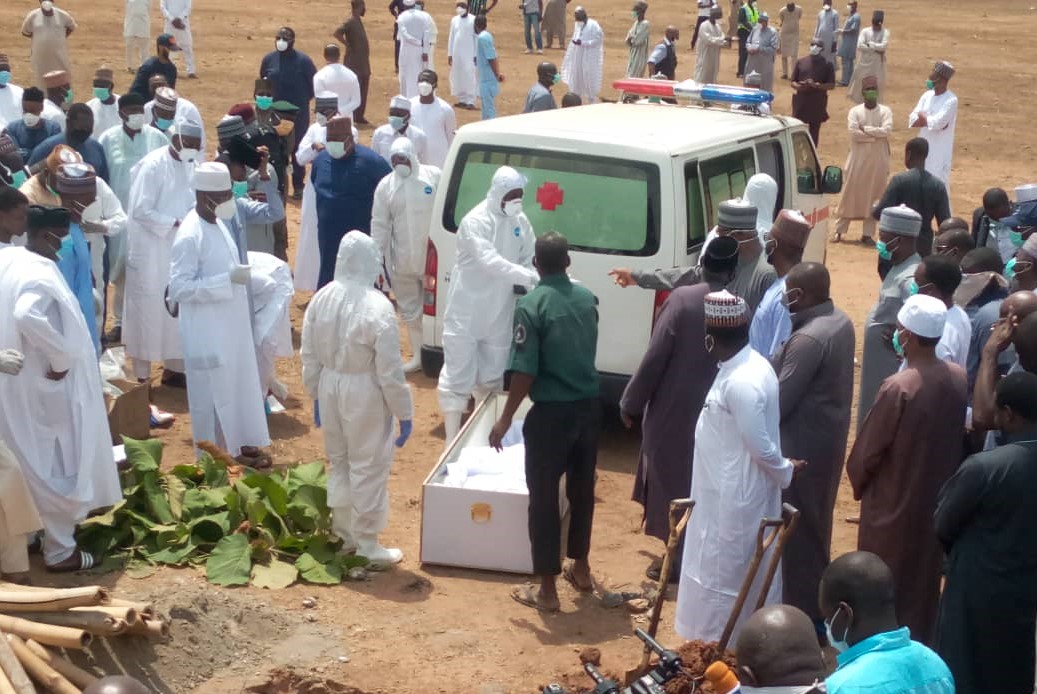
<point>517,232</point>
<point>520,334</point>
<point>429,190</point>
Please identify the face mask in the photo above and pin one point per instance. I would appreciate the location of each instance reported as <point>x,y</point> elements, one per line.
<point>826,7</point>
<point>336,149</point>
<point>815,50</point>
<point>322,119</point>
<point>68,98</point>
<point>396,122</point>
<point>929,84</point>
<point>239,188</point>
<point>884,250</point>
<point>1010,269</point>
<point>839,645</point>
<point>46,5</point>
<point>898,347</point>
<point>5,76</point>
<point>188,154</point>
<point>226,209</point>
<point>709,342</point>
<point>634,15</point>
<point>402,169</point>
<point>871,94</point>
<point>281,45</point>
<point>163,124</point>
<point>31,120</point>
<point>1016,237</point>
<point>425,88</point>
<point>102,93</point>
<point>91,214</point>
<point>65,250</point>
<point>556,79</point>
<point>263,103</point>
<point>789,298</point>
<point>513,208</point>
<point>912,288</point>
<point>460,11</point>
<point>769,246</point>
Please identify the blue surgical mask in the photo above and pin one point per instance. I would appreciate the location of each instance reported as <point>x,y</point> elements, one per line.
<point>66,248</point>
<point>396,122</point>
<point>239,188</point>
<point>263,103</point>
<point>164,124</point>
<point>929,84</point>
<point>884,251</point>
<point>912,288</point>
<point>898,347</point>
<point>102,93</point>
<point>839,645</point>
<point>1016,237</point>
<point>556,79</point>
<point>1010,269</point>
<point>5,76</point>
<point>18,178</point>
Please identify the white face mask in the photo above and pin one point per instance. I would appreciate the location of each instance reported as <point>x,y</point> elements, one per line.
<point>336,149</point>
<point>815,50</point>
<point>225,210</point>
<point>188,154</point>
<point>513,208</point>
<point>91,214</point>
<point>46,5</point>
<point>31,120</point>
<point>281,45</point>
<point>135,121</point>
<point>322,119</point>
<point>460,11</point>
<point>403,170</point>
<point>424,88</point>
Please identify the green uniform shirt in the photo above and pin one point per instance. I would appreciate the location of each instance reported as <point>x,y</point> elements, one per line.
<point>556,339</point>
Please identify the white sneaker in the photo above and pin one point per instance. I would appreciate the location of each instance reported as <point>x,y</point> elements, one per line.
<point>540,51</point>
<point>379,557</point>
<point>527,51</point>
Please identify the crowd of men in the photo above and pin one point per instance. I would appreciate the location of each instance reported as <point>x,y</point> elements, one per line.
<point>123,191</point>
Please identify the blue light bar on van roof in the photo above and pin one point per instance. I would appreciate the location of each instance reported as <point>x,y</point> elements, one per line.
<point>693,91</point>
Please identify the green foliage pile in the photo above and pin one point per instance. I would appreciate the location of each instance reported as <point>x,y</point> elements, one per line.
<point>269,530</point>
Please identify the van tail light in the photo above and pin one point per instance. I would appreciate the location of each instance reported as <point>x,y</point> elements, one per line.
<point>431,278</point>
<point>660,298</point>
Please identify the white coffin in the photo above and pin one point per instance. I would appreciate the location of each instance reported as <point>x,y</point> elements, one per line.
<point>473,528</point>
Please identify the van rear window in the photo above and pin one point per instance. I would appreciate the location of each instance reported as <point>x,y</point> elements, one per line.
<point>599,204</point>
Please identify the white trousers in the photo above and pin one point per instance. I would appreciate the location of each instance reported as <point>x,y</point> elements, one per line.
<point>184,40</point>
<point>471,366</point>
<point>409,293</point>
<point>14,554</point>
<point>138,49</point>
<point>142,367</point>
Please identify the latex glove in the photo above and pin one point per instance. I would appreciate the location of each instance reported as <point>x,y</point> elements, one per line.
<point>406,427</point>
<point>240,274</point>
<point>11,361</point>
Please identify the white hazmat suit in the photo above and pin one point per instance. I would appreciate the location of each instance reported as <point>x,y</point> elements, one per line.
<point>494,254</point>
<point>400,219</point>
<point>270,284</point>
<point>351,364</point>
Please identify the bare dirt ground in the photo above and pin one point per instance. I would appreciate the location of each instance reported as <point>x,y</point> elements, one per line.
<point>430,629</point>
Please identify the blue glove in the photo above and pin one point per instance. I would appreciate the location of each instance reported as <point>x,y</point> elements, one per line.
<point>316,413</point>
<point>406,427</point>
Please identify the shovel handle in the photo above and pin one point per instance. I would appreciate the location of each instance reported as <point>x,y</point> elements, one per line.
<point>789,520</point>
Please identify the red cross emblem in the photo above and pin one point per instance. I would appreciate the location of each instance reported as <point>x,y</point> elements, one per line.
<point>550,196</point>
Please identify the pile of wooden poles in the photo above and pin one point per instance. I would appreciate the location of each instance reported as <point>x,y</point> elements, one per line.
<point>37,623</point>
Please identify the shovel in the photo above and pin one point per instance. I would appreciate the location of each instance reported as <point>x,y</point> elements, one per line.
<point>771,530</point>
<point>680,512</point>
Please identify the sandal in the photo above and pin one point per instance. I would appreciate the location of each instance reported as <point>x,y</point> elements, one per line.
<point>570,578</point>
<point>529,596</point>
<point>83,562</point>
<point>254,458</point>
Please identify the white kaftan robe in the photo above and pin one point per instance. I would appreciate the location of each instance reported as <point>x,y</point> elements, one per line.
<point>583,63</point>
<point>49,41</point>
<point>58,430</point>
<point>271,287</point>
<point>827,25</point>
<point>10,104</point>
<point>438,121</point>
<point>461,51</point>
<point>764,41</point>
<point>180,9</point>
<point>185,110</point>
<point>941,112</point>
<point>161,195</point>
<point>870,62</point>
<point>707,52</point>
<point>223,390</point>
<point>414,36</point>
<point>739,475</point>
<point>339,80</point>
<point>307,251</point>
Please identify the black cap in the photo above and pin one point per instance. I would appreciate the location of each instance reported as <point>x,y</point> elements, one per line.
<point>241,151</point>
<point>168,41</point>
<point>721,255</point>
<point>43,217</point>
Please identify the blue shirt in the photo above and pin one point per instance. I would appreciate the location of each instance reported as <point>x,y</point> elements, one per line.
<point>75,268</point>
<point>345,195</point>
<point>772,324</point>
<point>485,51</point>
<point>27,138</point>
<point>91,149</point>
<point>292,74</point>
<point>890,663</point>
<point>153,66</point>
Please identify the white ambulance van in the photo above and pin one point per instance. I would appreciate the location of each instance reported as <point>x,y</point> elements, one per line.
<point>629,185</point>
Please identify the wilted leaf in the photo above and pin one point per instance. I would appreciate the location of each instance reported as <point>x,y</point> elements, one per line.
<point>272,487</point>
<point>140,569</point>
<point>174,556</point>
<point>230,563</point>
<point>200,502</point>
<point>188,473</point>
<point>276,575</point>
<point>215,473</point>
<point>175,490</point>
<point>314,571</point>
<point>108,519</point>
<point>143,456</point>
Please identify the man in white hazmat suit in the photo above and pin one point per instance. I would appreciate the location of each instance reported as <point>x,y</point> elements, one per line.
<point>400,221</point>
<point>53,415</point>
<point>208,283</point>
<point>270,284</point>
<point>584,58</point>
<point>161,195</point>
<point>739,474</point>
<point>495,246</point>
<point>351,365</point>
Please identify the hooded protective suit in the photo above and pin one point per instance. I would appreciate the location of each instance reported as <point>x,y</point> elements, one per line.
<point>494,253</point>
<point>762,191</point>
<point>351,363</point>
<point>270,284</point>
<point>400,221</point>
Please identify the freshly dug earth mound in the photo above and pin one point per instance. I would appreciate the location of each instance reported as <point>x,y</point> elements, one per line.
<point>289,681</point>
